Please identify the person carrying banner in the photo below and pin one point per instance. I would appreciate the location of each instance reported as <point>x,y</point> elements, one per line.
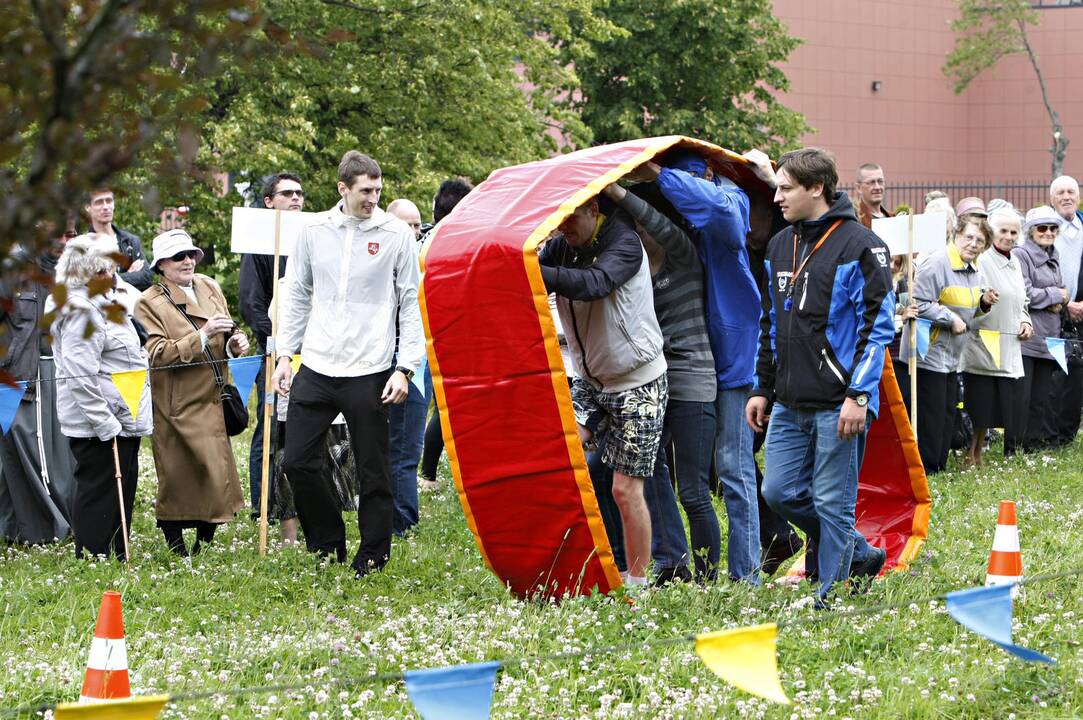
<point>827,319</point>
<point>341,310</point>
<point>600,273</point>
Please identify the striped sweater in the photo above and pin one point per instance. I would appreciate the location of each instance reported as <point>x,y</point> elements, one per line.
<point>680,304</point>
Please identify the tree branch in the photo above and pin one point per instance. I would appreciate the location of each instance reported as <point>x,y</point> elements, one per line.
<point>1060,143</point>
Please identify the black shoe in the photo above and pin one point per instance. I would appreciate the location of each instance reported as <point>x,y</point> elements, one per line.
<point>821,604</point>
<point>681,573</point>
<point>779,551</point>
<point>863,573</point>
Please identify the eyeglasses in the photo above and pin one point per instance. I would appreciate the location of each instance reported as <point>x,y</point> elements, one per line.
<point>69,234</point>
<point>194,254</point>
<point>290,193</point>
<point>1047,228</point>
<point>875,183</point>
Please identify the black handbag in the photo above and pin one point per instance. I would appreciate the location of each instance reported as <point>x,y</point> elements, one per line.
<point>234,408</point>
<point>1073,344</point>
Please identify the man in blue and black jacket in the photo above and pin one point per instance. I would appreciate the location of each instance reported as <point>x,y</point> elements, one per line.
<point>827,319</point>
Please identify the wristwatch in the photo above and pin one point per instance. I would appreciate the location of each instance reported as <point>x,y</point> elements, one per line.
<point>862,399</point>
<point>405,371</point>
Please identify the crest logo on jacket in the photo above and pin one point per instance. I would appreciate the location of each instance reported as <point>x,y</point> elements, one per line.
<point>881,255</point>
<point>374,247</point>
<point>783,279</point>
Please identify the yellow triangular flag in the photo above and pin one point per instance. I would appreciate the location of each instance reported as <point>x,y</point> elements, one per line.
<point>295,363</point>
<point>744,657</point>
<point>991,340</point>
<point>130,383</point>
<point>136,708</point>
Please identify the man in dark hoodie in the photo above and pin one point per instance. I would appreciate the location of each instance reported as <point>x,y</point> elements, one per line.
<point>827,317</point>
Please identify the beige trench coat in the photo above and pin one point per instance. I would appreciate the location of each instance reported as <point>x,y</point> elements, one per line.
<point>197,475</point>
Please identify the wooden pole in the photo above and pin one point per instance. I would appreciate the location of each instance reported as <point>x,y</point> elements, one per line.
<point>913,359</point>
<point>269,395</point>
<point>120,500</point>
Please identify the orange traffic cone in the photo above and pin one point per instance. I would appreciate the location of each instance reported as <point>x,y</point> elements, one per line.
<point>1005,561</point>
<point>107,666</point>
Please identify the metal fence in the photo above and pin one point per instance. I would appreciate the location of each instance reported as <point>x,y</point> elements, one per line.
<point>1022,194</point>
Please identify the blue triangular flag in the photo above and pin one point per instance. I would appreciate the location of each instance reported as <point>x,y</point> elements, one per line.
<point>9,403</point>
<point>1056,349</point>
<point>987,611</point>
<point>924,327</point>
<point>419,377</point>
<point>461,692</point>
<point>244,370</point>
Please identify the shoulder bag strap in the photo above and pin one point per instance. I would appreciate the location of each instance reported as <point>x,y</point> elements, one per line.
<point>218,380</point>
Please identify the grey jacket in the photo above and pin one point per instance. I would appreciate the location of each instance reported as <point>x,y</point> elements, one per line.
<point>1043,283</point>
<point>1003,274</point>
<point>88,402</point>
<point>945,287</point>
<point>606,305</point>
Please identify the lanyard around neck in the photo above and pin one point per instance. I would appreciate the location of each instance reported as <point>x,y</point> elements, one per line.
<point>796,269</point>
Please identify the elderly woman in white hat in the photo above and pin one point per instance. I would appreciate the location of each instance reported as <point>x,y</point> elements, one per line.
<point>91,341</point>
<point>1046,295</point>
<point>188,327</point>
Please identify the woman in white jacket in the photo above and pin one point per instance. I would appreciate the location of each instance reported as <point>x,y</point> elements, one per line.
<point>93,337</point>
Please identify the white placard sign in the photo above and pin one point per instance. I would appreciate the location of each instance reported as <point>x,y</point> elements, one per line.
<point>930,232</point>
<point>254,230</point>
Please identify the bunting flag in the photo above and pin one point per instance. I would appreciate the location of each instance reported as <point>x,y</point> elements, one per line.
<point>924,328</point>
<point>10,397</point>
<point>991,340</point>
<point>295,363</point>
<point>136,708</point>
<point>1056,349</point>
<point>244,371</point>
<point>460,692</point>
<point>987,611</point>
<point>745,657</point>
<point>130,383</point>
<point>419,377</point>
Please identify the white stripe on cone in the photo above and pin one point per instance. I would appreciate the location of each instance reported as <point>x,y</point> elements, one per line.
<point>1006,539</point>
<point>107,654</point>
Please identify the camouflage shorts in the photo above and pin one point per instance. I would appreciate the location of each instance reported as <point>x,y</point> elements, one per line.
<point>631,419</point>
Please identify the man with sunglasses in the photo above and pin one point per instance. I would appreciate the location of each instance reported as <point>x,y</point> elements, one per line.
<point>254,289</point>
<point>99,208</point>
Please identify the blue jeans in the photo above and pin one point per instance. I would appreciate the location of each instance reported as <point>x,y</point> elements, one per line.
<point>811,480</point>
<point>669,545</point>
<point>406,435</point>
<point>255,451</point>
<point>736,470</point>
<point>691,427</point>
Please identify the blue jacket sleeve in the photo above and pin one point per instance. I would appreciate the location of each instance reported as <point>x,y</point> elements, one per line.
<point>719,214</point>
<point>871,295</point>
<point>765,360</point>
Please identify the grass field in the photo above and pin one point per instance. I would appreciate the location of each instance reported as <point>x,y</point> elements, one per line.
<point>227,619</point>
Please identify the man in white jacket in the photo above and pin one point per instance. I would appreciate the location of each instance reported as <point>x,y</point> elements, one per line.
<point>354,274</point>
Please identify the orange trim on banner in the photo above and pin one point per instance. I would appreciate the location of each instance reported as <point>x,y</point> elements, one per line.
<point>445,417</point>
<point>919,484</point>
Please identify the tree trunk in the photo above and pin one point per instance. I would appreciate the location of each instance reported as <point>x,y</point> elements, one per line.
<point>1060,143</point>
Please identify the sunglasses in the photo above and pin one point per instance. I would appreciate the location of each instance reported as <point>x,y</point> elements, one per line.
<point>290,193</point>
<point>194,254</point>
<point>1047,228</point>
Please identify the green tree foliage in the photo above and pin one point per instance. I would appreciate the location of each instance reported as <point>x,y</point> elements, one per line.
<point>702,68</point>
<point>988,30</point>
<point>92,88</point>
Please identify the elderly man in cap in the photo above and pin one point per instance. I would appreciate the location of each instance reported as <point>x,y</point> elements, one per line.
<point>1064,198</point>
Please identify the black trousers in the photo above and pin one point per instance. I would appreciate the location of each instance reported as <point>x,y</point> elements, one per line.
<point>434,446</point>
<point>95,517</point>
<point>938,398</point>
<point>1043,383</point>
<point>315,401</point>
<point>1071,406</point>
